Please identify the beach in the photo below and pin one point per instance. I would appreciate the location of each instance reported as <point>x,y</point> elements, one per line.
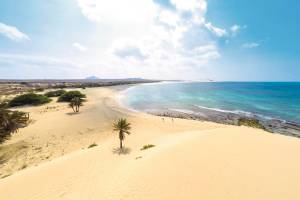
<point>274,105</point>
<point>50,158</point>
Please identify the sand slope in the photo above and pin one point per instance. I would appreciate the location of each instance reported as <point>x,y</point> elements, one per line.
<point>191,160</point>
<point>56,130</point>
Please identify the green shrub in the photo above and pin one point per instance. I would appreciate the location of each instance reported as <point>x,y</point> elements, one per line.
<point>92,145</point>
<point>147,146</point>
<point>68,96</point>
<point>29,99</point>
<point>250,122</point>
<point>11,121</point>
<point>55,93</point>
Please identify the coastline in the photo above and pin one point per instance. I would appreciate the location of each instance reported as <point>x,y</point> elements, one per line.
<point>274,126</point>
<point>213,161</point>
<point>230,117</point>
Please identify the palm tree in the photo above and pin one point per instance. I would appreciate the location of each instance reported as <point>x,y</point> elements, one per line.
<point>122,126</point>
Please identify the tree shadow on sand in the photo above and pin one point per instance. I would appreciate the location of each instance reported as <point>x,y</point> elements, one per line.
<point>123,151</point>
<point>73,113</point>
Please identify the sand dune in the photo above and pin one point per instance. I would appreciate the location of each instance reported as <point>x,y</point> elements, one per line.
<point>190,160</point>
<point>56,131</point>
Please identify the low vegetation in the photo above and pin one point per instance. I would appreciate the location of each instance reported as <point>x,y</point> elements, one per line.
<point>68,96</point>
<point>39,89</point>
<point>92,145</point>
<point>55,93</point>
<point>11,121</point>
<point>24,166</point>
<point>29,99</point>
<point>250,122</point>
<point>147,146</point>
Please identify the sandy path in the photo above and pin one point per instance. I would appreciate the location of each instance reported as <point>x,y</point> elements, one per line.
<point>191,160</point>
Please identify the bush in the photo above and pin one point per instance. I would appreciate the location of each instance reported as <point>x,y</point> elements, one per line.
<point>147,146</point>
<point>92,145</point>
<point>68,96</point>
<point>29,99</point>
<point>55,93</point>
<point>11,121</point>
<point>250,122</point>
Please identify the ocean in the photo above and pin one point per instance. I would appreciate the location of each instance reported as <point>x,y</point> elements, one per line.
<point>264,100</point>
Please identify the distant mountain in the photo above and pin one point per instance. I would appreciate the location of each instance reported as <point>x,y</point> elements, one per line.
<point>92,78</point>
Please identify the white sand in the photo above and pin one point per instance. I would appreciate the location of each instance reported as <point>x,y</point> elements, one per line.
<point>191,159</point>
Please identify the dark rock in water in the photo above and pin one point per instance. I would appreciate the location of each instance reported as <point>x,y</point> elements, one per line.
<point>270,125</point>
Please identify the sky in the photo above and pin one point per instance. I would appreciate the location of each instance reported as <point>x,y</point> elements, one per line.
<point>219,40</point>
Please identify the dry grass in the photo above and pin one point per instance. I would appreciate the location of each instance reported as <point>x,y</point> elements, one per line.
<point>147,146</point>
<point>92,145</point>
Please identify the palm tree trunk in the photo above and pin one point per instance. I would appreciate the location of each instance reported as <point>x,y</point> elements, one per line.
<point>121,144</point>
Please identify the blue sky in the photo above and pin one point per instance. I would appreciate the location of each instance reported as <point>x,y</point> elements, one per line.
<point>165,39</point>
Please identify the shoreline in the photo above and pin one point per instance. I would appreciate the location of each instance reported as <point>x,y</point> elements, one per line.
<point>213,161</point>
<point>273,125</point>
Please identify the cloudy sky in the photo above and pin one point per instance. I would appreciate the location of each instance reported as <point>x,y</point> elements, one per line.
<point>162,39</point>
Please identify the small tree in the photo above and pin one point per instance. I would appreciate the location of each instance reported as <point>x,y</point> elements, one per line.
<point>11,121</point>
<point>75,104</point>
<point>123,127</point>
<point>68,96</point>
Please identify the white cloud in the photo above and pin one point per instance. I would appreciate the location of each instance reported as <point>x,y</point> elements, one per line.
<point>152,40</point>
<point>127,49</point>
<point>196,8</point>
<point>39,66</point>
<point>235,29</point>
<point>37,60</point>
<point>79,47</point>
<point>12,32</point>
<point>141,38</point>
<point>215,30</point>
<point>116,11</point>
<point>207,51</point>
<point>169,17</point>
<point>190,5</point>
<point>250,45</point>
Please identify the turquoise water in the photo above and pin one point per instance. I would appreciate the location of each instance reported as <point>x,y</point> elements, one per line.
<point>269,100</point>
